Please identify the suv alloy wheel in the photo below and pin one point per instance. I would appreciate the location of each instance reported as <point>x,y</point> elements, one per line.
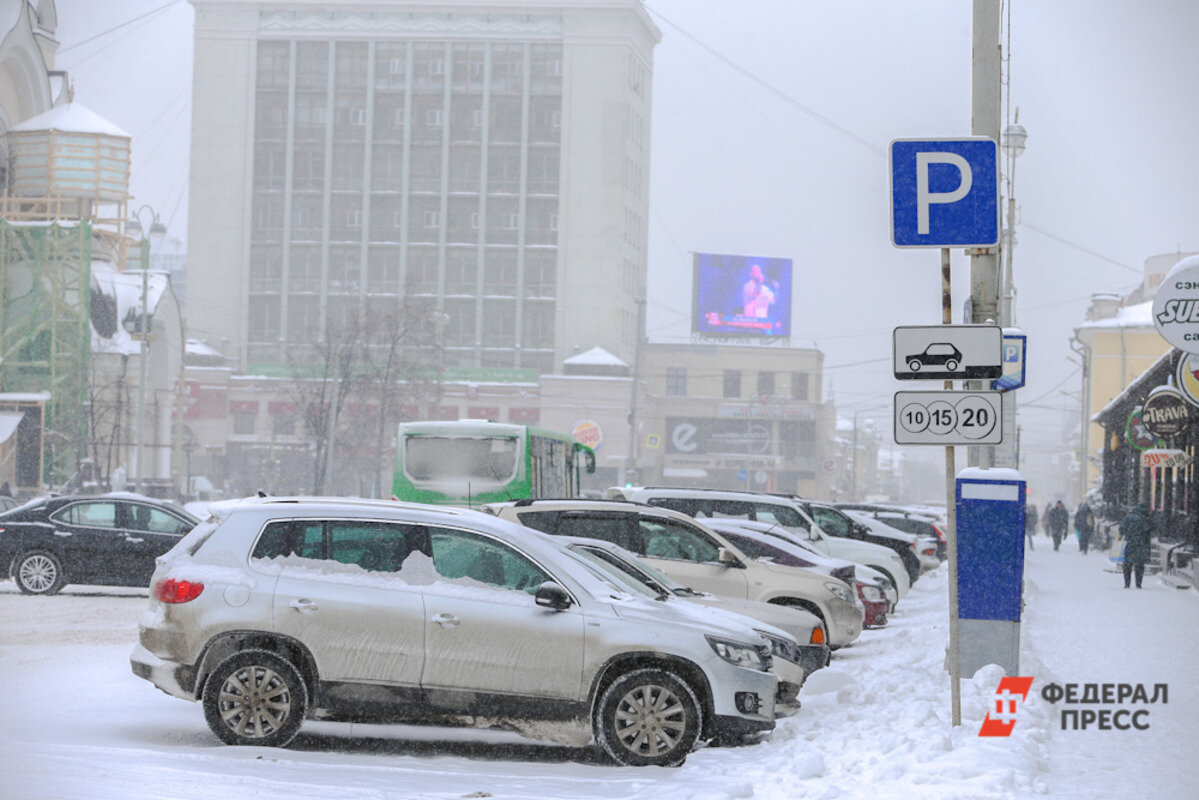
<point>255,697</point>
<point>648,717</point>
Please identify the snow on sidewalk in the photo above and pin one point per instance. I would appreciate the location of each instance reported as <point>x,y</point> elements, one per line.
<point>1082,626</point>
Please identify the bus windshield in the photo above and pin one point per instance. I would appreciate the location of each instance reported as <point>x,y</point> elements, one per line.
<point>445,458</point>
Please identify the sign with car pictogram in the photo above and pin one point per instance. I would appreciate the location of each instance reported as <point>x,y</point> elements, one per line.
<point>948,418</point>
<point>948,352</point>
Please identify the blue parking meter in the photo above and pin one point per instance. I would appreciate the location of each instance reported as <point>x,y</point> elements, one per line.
<point>989,505</point>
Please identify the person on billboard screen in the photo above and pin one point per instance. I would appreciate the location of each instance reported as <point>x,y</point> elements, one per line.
<point>756,296</point>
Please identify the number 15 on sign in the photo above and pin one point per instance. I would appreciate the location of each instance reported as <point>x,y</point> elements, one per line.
<point>948,418</point>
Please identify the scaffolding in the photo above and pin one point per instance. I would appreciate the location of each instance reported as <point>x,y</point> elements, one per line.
<point>45,332</point>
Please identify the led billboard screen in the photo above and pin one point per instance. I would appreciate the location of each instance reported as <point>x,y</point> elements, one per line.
<point>742,295</point>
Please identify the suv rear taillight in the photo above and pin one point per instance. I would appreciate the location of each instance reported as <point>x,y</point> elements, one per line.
<point>940,534</point>
<point>170,590</point>
<point>817,636</point>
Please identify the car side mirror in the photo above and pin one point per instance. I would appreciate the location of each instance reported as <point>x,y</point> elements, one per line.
<point>726,558</point>
<point>552,596</point>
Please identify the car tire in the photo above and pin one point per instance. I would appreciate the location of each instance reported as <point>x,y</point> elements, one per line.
<point>243,691</point>
<point>648,717</point>
<point>951,365</point>
<point>914,365</point>
<point>38,572</point>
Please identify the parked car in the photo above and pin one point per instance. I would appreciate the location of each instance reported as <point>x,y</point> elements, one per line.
<point>111,539</point>
<point>695,556</point>
<point>925,548</point>
<point>796,636</point>
<point>809,556</point>
<point>277,609</point>
<point>924,523</point>
<point>704,504</point>
<point>764,547</point>
<point>837,522</point>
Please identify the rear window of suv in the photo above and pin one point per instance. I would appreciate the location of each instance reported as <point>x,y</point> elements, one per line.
<point>734,509</point>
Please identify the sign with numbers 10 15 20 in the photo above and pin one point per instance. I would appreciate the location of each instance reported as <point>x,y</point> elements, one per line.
<point>948,418</point>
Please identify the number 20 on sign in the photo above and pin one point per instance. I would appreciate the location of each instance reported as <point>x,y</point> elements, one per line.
<point>948,418</point>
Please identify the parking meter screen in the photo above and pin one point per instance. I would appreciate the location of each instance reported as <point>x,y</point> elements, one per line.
<point>742,295</point>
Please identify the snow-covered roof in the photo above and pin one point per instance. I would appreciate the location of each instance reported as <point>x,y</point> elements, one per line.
<point>70,118</point>
<point>1137,316</point>
<point>595,357</point>
<point>25,397</point>
<point>115,296</point>
<point>194,347</point>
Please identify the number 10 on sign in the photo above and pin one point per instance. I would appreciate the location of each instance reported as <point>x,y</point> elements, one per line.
<point>948,418</point>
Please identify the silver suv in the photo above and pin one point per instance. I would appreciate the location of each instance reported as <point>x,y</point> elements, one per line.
<point>278,609</point>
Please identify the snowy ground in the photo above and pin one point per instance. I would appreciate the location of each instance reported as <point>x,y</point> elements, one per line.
<point>76,723</point>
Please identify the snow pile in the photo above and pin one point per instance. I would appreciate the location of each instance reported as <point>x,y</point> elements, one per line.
<point>876,723</point>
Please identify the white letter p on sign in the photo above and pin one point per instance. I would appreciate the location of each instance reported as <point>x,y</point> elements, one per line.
<point>925,198</point>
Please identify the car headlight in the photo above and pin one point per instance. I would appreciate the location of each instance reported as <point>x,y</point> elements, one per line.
<point>871,593</point>
<point>786,649</point>
<point>840,591</point>
<point>740,654</point>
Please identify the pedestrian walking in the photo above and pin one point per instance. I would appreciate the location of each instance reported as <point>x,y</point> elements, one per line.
<point>1030,524</point>
<point>1056,520</point>
<point>1137,530</point>
<point>1084,526</point>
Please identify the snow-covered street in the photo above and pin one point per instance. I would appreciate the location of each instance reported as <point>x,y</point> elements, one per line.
<point>76,723</point>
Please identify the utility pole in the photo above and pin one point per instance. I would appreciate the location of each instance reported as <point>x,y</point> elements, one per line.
<point>984,121</point>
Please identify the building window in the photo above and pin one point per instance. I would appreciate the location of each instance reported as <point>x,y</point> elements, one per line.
<point>799,386</point>
<point>732,383</point>
<point>432,219</point>
<point>766,384</point>
<point>243,423</point>
<point>285,425</point>
<point>676,381</point>
<point>435,117</point>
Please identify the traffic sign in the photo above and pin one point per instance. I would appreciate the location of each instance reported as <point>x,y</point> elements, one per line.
<point>1015,357</point>
<point>945,192</point>
<point>947,352</point>
<point>948,418</point>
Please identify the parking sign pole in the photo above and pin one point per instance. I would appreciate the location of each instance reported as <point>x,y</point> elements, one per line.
<point>955,687</point>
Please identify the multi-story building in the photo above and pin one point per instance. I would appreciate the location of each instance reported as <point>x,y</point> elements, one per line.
<point>482,165</point>
<point>1117,342</point>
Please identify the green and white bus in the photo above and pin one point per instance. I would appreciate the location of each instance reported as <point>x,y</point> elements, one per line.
<point>471,462</point>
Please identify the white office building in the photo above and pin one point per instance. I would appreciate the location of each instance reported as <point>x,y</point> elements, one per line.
<point>485,162</point>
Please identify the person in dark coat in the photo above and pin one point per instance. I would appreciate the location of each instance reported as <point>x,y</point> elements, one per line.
<point>1084,526</point>
<point>1137,530</point>
<point>1056,520</point>
<point>1030,524</point>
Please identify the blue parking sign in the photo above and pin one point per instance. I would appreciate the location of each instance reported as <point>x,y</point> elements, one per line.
<point>945,192</point>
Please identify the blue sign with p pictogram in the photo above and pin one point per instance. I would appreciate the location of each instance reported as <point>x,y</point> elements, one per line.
<point>945,192</point>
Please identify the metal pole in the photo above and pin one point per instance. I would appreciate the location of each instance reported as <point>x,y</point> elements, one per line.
<point>951,535</point>
<point>854,455</point>
<point>141,381</point>
<point>985,119</point>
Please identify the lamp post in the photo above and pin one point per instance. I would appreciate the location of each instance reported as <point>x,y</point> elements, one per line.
<point>1014,138</point>
<point>144,237</point>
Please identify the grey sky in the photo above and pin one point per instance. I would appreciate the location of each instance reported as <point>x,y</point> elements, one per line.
<point>1106,90</point>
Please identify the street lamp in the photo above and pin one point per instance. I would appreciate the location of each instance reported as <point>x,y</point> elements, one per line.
<point>1014,138</point>
<point>134,229</point>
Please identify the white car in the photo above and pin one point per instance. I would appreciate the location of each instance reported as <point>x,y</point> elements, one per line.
<point>703,504</point>
<point>695,556</point>
<point>819,561</point>
<point>796,636</point>
<point>277,609</point>
<point>926,548</point>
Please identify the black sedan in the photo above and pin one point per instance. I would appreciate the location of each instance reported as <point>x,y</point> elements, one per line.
<point>110,539</point>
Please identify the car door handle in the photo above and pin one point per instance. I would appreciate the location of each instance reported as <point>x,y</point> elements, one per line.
<point>134,539</point>
<point>445,620</point>
<point>303,605</point>
<point>63,533</point>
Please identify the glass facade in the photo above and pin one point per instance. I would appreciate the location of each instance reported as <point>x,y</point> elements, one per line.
<point>422,169</point>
